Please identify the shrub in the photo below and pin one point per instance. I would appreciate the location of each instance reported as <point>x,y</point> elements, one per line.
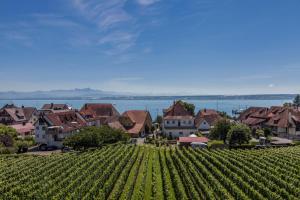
<point>95,137</point>
<point>239,134</point>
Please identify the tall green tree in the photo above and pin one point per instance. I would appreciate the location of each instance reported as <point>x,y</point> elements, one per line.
<point>239,134</point>
<point>297,101</point>
<point>220,130</point>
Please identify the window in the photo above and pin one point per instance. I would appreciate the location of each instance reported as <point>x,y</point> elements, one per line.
<point>37,135</point>
<point>168,122</point>
<point>37,128</point>
<point>190,122</point>
<point>298,127</point>
<point>191,133</point>
<point>173,122</point>
<point>44,128</point>
<point>44,136</point>
<point>180,133</point>
<point>183,122</point>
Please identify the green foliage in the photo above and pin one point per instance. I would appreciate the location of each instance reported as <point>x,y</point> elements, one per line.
<point>239,134</point>
<point>216,144</point>
<point>267,132</point>
<point>259,133</point>
<point>143,172</point>
<point>90,137</point>
<point>188,106</point>
<point>220,130</point>
<point>159,119</point>
<point>7,135</point>
<point>297,101</point>
<point>224,115</point>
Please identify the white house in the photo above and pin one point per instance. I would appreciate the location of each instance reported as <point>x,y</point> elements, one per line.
<point>206,119</point>
<point>178,121</point>
<point>52,128</point>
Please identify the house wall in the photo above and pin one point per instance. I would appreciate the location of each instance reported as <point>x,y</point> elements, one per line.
<point>176,133</point>
<point>204,126</point>
<point>176,122</point>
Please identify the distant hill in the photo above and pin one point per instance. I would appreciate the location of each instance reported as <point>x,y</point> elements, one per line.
<point>88,94</point>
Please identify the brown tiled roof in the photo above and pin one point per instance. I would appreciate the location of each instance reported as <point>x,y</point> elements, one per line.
<point>28,112</point>
<point>52,106</point>
<point>95,111</point>
<point>260,112</point>
<point>209,115</point>
<point>17,114</point>
<point>68,120</point>
<point>177,109</point>
<point>139,118</point>
<point>23,128</point>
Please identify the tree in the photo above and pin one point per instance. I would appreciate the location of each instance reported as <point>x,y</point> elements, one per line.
<point>239,134</point>
<point>220,130</point>
<point>95,137</point>
<point>159,119</point>
<point>259,133</point>
<point>188,106</point>
<point>7,135</point>
<point>297,101</point>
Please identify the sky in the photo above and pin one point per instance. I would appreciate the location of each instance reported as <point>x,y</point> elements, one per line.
<point>181,47</point>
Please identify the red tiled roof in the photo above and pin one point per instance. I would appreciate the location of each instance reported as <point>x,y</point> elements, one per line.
<point>193,139</point>
<point>95,111</point>
<point>138,117</point>
<point>52,106</point>
<point>68,120</point>
<point>177,109</point>
<point>23,128</point>
<point>209,115</point>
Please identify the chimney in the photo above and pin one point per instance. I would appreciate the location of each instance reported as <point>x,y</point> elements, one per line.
<point>23,106</point>
<point>205,110</point>
<point>86,106</point>
<point>51,106</point>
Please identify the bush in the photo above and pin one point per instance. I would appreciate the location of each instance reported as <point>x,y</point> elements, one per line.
<point>239,134</point>
<point>220,130</point>
<point>91,137</point>
<point>216,144</point>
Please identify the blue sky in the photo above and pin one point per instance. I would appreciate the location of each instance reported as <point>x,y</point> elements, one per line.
<point>151,46</point>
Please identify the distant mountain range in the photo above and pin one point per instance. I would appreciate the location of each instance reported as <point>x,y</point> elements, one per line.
<point>89,94</point>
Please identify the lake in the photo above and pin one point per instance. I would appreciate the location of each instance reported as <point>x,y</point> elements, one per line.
<point>155,107</point>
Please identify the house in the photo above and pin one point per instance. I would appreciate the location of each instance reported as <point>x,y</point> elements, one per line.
<point>52,107</point>
<point>96,114</point>
<point>187,141</point>
<point>206,119</point>
<point>52,128</point>
<point>283,121</point>
<point>11,114</point>
<point>25,129</point>
<point>178,121</point>
<point>137,123</point>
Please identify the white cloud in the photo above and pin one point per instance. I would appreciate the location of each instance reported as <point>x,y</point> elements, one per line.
<point>271,85</point>
<point>146,2</point>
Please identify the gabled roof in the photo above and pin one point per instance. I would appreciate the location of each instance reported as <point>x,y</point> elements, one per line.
<point>260,112</point>
<point>177,109</point>
<point>23,128</point>
<point>209,115</point>
<point>139,118</point>
<point>17,114</point>
<point>53,106</point>
<point>68,120</point>
<point>29,111</point>
<point>93,111</point>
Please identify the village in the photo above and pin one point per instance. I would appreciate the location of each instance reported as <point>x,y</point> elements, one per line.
<point>51,124</point>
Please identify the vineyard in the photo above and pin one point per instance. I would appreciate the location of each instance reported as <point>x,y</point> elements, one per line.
<point>140,172</point>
